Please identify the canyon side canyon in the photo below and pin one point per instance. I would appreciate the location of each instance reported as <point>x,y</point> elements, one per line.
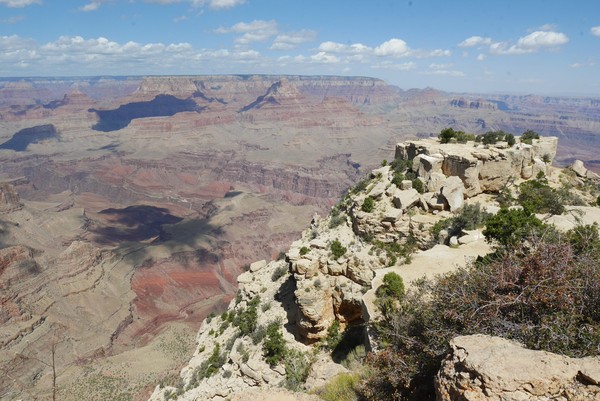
<point>130,205</point>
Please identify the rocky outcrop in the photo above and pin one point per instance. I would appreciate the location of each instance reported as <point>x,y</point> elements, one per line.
<point>484,368</point>
<point>579,168</point>
<point>482,168</point>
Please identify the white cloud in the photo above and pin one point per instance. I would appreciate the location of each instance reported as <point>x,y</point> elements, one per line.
<point>180,19</point>
<point>19,3</point>
<point>595,30</point>
<point>334,47</point>
<point>255,31</point>
<point>576,65</point>
<point>220,4</point>
<point>475,41</point>
<point>393,47</point>
<point>435,66</point>
<point>531,43</point>
<point>481,57</point>
<point>322,57</point>
<point>93,6</point>
<point>388,65</point>
<point>439,53</point>
<point>446,73</point>
<point>290,40</point>
<point>545,27</point>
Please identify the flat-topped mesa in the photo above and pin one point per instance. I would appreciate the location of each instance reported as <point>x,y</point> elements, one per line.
<point>482,168</point>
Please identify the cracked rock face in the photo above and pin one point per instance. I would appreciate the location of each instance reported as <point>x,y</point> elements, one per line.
<point>484,368</point>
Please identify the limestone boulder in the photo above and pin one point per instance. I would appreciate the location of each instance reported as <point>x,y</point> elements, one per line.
<point>425,165</point>
<point>405,199</point>
<point>579,169</point>
<point>435,182</point>
<point>453,192</point>
<point>467,168</point>
<point>485,368</point>
<point>378,189</point>
<point>256,266</point>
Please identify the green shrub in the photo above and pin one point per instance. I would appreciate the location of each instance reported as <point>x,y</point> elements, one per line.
<point>492,137</point>
<point>246,318</point>
<point>297,367</point>
<point>510,139</point>
<point>341,388</point>
<point>528,136</point>
<point>383,163</point>
<point>368,205</point>
<point>334,336</point>
<point>510,227</point>
<point>448,135</point>
<point>536,196</point>
<point>361,186</point>
<point>469,217</point>
<point>210,366</point>
<point>337,249</point>
<point>279,273</point>
<point>418,185</point>
<point>398,178</point>
<point>393,286</point>
<point>304,250</point>
<point>274,348</point>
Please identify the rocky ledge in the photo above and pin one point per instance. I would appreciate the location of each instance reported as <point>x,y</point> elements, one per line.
<point>488,368</point>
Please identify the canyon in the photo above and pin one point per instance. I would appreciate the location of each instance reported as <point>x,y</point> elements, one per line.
<point>130,205</point>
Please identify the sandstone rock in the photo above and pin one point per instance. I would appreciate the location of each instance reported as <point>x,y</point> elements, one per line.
<point>405,185</point>
<point>435,182</point>
<point>453,191</point>
<point>427,165</point>
<point>481,368</point>
<point>245,278</point>
<point>318,243</point>
<point>578,167</point>
<point>359,273</point>
<point>392,215</point>
<point>405,199</point>
<point>590,175</point>
<point>256,266</point>
<point>453,241</point>
<point>378,189</point>
<point>470,236</point>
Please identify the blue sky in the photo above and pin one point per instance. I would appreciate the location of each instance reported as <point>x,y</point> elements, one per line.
<point>524,46</point>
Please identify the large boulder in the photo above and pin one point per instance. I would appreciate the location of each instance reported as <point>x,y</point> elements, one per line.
<point>405,199</point>
<point>578,168</point>
<point>453,191</point>
<point>485,368</point>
